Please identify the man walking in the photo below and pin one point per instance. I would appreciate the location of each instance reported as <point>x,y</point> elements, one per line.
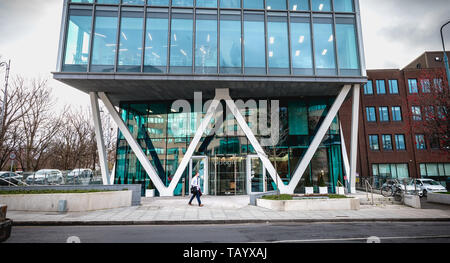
<point>195,189</point>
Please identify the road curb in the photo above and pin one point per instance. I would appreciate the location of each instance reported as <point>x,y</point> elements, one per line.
<point>221,222</point>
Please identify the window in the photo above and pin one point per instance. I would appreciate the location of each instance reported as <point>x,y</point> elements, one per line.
<point>387,142</point>
<point>181,43</point>
<point>299,5</point>
<point>275,5</point>
<point>416,113</point>
<point>130,52</point>
<point>343,5</point>
<point>133,2</point>
<point>393,86</point>
<point>381,87</point>
<point>230,43</point>
<point>78,40</point>
<point>429,113</point>
<point>321,5</point>
<point>420,142</point>
<point>301,46</point>
<point>206,3</point>
<point>397,113</point>
<point>324,46</point>
<point>277,45</point>
<point>368,88</point>
<point>155,59</point>
<point>384,114</point>
<point>254,4</point>
<point>412,84</point>
<point>347,46</point>
<point>206,44</point>
<point>255,59</point>
<point>426,86</point>
<point>438,85</point>
<point>441,112</point>
<point>105,41</point>
<point>230,3</point>
<point>373,142</point>
<point>158,2</point>
<point>371,114</point>
<point>434,169</point>
<point>400,142</point>
<point>182,2</point>
<point>394,171</point>
<point>435,143</point>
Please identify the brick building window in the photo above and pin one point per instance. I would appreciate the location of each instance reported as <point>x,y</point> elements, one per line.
<point>438,85</point>
<point>420,142</point>
<point>397,113</point>
<point>368,88</point>
<point>381,87</point>
<point>426,85</point>
<point>416,113</point>
<point>384,114</point>
<point>393,86</point>
<point>373,142</point>
<point>400,142</point>
<point>387,142</point>
<point>371,114</point>
<point>412,84</point>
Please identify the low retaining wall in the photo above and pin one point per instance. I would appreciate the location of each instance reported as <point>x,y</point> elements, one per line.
<point>438,198</point>
<point>135,188</point>
<point>412,201</point>
<point>75,202</point>
<point>310,204</point>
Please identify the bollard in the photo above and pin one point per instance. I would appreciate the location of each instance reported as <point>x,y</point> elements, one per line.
<point>183,188</point>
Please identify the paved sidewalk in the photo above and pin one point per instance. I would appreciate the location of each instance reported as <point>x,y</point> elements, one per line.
<point>220,210</point>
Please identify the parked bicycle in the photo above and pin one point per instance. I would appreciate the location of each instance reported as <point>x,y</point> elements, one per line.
<point>393,188</point>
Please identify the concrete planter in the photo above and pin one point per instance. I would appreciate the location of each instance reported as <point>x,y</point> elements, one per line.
<point>309,190</point>
<point>150,193</point>
<point>323,190</point>
<point>310,204</point>
<point>75,202</point>
<point>438,198</point>
<point>412,201</point>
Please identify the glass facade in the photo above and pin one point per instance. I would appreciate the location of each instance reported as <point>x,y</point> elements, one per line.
<point>167,37</point>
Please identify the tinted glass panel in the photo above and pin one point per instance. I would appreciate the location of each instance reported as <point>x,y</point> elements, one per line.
<point>181,44</point>
<point>393,86</point>
<point>156,43</point>
<point>412,83</point>
<point>206,44</point>
<point>400,142</point>
<point>254,4</point>
<point>82,1</point>
<point>278,47</point>
<point>182,2</point>
<point>276,4</point>
<point>299,5</point>
<point>130,52</point>
<point>133,2</point>
<point>158,2</point>
<point>347,47</point>
<point>230,44</point>
<point>255,60</point>
<point>321,5</point>
<point>108,1</point>
<point>324,47</point>
<point>381,87</point>
<point>230,3</point>
<point>77,42</point>
<point>105,41</point>
<point>206,3</point>
<point>301,46</point>
<point>368,88</point>
<point>343,5</point>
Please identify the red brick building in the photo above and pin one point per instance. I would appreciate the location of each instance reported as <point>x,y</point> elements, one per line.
<point>393,142</point>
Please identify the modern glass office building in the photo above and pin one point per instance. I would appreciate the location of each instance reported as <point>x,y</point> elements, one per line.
<point>292,60</point>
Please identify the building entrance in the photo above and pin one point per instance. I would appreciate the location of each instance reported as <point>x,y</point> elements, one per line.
<point>199,164</point>
<point>228,175</point>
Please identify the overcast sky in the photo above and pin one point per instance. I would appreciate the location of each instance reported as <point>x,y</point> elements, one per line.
<point>395,32</point>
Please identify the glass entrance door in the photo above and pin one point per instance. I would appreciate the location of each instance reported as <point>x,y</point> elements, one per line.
<point>256,175</point>
<point>199,164</point>
<point>228,175</point>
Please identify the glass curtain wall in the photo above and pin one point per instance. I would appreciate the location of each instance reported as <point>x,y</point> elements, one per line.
<point>133,2</point>
<point>158,2</point>
<point>156,42</point>
<point>105,39</point>
<point>324,46</point>
<point>347,46</point>
<point>321,5</point>
<point>183,3</point>
<point>255,59</point>
<point>230,3</point>
<point>78,40</point>
<point>131,29</point>
<point>206,43</point>
<point>299,5</point>
<point>343,6</point>
<point>253,4</point>
<point>230,42</point>
<point>275,4</point>
<point>181,43</point>
<point>301,46</point>
<point>109,1</point>
<point>206,3</point>
<point>278,45</point>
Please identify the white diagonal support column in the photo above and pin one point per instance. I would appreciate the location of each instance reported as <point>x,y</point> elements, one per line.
<point>191,149</point>
<point>318,139</point>
<point>163,190</point>
<point>99,137</point>
<point>345,155</point>
<point>251,137</point>
<point>354,138</point>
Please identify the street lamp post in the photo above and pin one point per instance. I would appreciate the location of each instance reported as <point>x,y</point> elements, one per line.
<point>445,54</point>
<point>8,67</point>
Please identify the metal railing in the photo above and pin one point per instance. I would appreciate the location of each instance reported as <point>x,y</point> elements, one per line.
<point>367,185</point>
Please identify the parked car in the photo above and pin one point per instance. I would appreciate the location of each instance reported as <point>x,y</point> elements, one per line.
<point>78,174</point>
<point>8,177</point>
<point>46,176</point>
<point>429,186</point>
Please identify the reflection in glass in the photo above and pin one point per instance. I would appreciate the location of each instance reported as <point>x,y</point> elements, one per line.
<point>158,2</point>
<point>324,47</point>
<point>105,41</point>
<point>278,48</point>
<point>299,5</point>
<point>255,59</point>
<point>130,52</point>
<point>347,48</point>
<point>254,4</point>
<point>155,59</point>
<point>230,3</point>
<point>230,44</point>
<point>133,2</point>
<point>82,1</point>
<point>343,5</point>
<point>182,2</point>
<point>181,44</point>
<point>206,3</point>
<point>321,5</point>
<point>275,4</point>
<point>301,46</point>
<point>206,44</point>
<point>108,1</point>
<point>78,38</point>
